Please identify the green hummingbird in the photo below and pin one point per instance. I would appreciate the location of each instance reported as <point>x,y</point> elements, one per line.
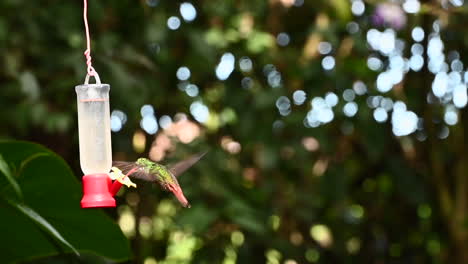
<point>148,170</point>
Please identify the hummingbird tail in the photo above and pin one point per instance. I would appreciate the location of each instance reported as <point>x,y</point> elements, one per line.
<point>177,191</point>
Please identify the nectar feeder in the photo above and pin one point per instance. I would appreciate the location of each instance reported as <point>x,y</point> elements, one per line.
<point>95,135</point>
<point>95,144</point>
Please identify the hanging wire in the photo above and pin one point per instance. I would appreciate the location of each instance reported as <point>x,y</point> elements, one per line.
<point>87,53</point>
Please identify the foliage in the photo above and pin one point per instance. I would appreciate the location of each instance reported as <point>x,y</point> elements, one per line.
<point>40,210</point>
<point>273,188</point>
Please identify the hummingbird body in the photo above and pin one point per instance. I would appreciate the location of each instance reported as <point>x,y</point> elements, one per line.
<point>160,171</point>
<point>148,170</point>
<point>164,177</point>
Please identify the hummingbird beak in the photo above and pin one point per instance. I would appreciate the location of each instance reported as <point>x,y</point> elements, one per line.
<point>177,191</point>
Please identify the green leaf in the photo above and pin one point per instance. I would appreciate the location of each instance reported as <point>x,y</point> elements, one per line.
<point>52,191</point>
<point>5,169</point>
<point>42,223</point>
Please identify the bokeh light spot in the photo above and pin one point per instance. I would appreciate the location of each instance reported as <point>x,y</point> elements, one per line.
<point>225,66</point>
<point>283,39</point>
<point>299,97</point>
<point>328,63</point>
<point>322,234</point>
<point>173,23</point>
<point>417,34</point>
<point>380,115</point>
<point>350,109</point>
<point>183,73</point>
<point>324,48</point>
<point>188,11</point>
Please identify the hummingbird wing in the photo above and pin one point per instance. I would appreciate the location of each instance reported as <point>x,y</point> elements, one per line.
<point>185,164</point>
<point>137,173</point>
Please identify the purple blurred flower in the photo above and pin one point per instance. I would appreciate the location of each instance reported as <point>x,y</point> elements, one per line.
<point>389,14</point>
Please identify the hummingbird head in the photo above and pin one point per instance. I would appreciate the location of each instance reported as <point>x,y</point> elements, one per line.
<point>144,162</point>
<point>177,191</point>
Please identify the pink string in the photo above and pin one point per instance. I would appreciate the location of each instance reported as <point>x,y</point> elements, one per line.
<point>87,53</point>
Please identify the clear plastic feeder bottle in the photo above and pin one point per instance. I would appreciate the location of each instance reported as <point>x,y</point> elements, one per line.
<point>95,142</point>
<point>94,128</point>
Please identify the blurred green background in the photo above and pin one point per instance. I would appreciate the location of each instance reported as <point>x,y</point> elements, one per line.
<point>335,129</point>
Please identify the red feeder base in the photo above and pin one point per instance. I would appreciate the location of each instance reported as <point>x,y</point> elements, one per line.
<point>96,191</point>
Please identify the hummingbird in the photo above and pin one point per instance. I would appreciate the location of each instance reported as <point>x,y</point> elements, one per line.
<point>148,170</point>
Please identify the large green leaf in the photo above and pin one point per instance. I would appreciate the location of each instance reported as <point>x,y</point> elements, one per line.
<point>42,223</point>
<point>5,169</point>
<point>51,192</point>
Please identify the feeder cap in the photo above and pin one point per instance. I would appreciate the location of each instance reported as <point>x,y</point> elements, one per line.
<point>96,191</point>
